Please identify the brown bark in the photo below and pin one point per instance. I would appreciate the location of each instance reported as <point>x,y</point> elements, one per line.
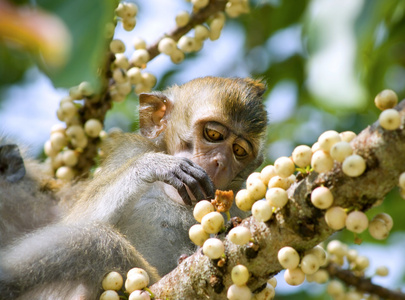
<point>299,224</point>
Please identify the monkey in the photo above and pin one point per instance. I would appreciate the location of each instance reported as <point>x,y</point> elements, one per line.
<point>204,135</point>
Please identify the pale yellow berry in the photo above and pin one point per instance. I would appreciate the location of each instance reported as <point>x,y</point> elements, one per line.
<point>216,26</point>
<point>93,127</point>
<point>139,295</point>
<point>256,188</point>
<point>135,282</point>
<point>58,140</point>
<point>321,197</point>
<point>309,264</point>
<point>267,173</point>
<point>352,295</point>
<point>382,271</point>
<point>148,79</point>
<point>141,88</point>
<point>236,292</point>
<point>386,99</point>
<point>86,88</point>
<point>268,293</point>
<point>378,229</point>
<point>197,234</point>
<point>167,46</point>
<point>321,161</point>
<point>356,221</point>
<point>129,23</point>
<point>386,218</point>
<point>234,10</point>
<point>362,263</point>
<point>354,165</point>
<point>65,173</point>
<point>198,4</point>
<point>335,288</point>
<point>294,276</point>
<point>75,132</point>
<point>340,151</point>
<point>321,276</point>
<point>109,30</point>
<point>121,10</point>
<point>57,161</point>
<point>68,110</point>
<point>119,75</point>
<point>121,61</point>
<point>116,96</point>
<point>201,32</point>
<point>252,177</point>
<point>139,43</point>
<point>134,75</point>
<point>262,211</point>
<point>109,295</point>
<point>182,18</point>
<point>80,142</point>
<point>177,56</point>
<point>135,271</point>
<point>140,57</point>
<point>320,254</point>
<point>284,166</point>
<point>212,222</point>
<point>315,147</point>
<point>131,10</point>
<point>117,46</point>
<point>201,209</point>
<point>347,136</point>
<point>124,88</point>
<point>335,217</point>
<point>213,248</point>
<point>401,181</point>
<point>240,275</point>
<point>288,257</point>
<point>337,248</point>
<point>112,281</point>
<point>273,281</point>
<point>74,93</point>
<point>277,197</point>
<point>69,158</point>
<point>280,182</point>
<point>49,150</point>
<point>302,156</point>
<point>390,119</point>
<point>327,139</point>
<point>351,255</point>
<point>186,44</point>
<point>239,235</point>
<point>244,200</point>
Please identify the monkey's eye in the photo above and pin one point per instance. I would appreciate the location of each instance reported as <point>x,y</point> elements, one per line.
<point>213,135</point>
<point>239,151</point>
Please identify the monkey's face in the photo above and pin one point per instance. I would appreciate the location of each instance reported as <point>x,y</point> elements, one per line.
<point>219,149</point>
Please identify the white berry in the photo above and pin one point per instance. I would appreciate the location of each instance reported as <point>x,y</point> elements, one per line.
<point>321,161</point>
<point>262,211</point>
<point>236,292</point>
<point>70,158</point>
<point>340,151</point>
<point>239,235</point>
<point>309,264</point>
<point>139,295</point>
<point>337,248</point>
<point>135,271</point>
<point>129,23</point>
<point>197,234</point>
<point>256,188</point>
<point>93,127</point>
<point>58,140</point>
<point>267,173</point>
<point>201,209</point>
<point>112,281</point>
<point>240,275</point>
<point>167,46</point>
<point>65,173</point>
<point>201,32</point>
<point>280,182</point>
<point>186,44</point>
<point>382,271</point>
<point>212,222</point>
<point>320,254</point>
<point>199,3</point>
<point>288,257</point>
<point>327,139</point>
<point>213,248</point>
<point>284,166</point>
<point>302,156</point>
<point>267,293</point>
<point>294,276</point>
<point>386,218</point>
<point>277,197</point>
<point>386,99</point>
<point>335,217</point>
<point>117,46</point>
<point>182,18</point>
<point>109,295</point>
<point>335,288</point>
<point>140,57</point>
<point>244,200</point>
<point>134,75</point>
<point>321,197</point>
<point>356,221</point>
<point>378,229</point>
<point>139,43</point>
<point>390,119</point>
<point>135,282</point>
<point>354,165</point>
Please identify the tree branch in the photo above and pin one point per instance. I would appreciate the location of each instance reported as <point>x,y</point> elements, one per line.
<point>299,224</point>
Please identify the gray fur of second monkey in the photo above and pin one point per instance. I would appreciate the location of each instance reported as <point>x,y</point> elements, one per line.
<point>157,226</point>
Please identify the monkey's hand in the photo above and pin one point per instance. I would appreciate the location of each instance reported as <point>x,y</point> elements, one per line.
<point>180,173</point>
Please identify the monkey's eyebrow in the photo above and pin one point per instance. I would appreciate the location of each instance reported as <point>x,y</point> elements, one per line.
<point>216,126</point>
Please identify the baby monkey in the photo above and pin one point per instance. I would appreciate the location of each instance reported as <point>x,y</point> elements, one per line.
<point>204,135</point>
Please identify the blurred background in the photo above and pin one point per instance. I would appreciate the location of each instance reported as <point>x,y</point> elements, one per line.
<point>323,60</point>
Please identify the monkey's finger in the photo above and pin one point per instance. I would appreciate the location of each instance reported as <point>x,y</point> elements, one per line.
<point>178,184</point>
<point>194,186</point>
<point>202,178</point>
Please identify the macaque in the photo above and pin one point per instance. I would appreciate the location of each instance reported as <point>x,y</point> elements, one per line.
<point>195,138</point>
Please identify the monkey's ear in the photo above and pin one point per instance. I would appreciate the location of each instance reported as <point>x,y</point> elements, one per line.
<point>154,109</point>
